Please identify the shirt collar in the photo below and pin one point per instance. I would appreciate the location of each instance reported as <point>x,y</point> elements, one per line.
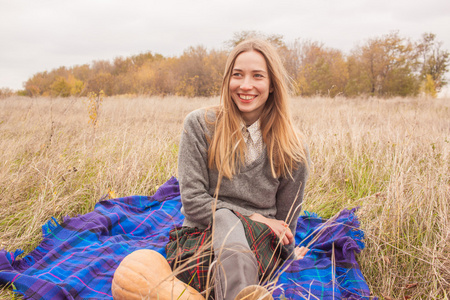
<point>254,130</point>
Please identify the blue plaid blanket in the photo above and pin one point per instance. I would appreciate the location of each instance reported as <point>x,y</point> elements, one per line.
<point>77,257</point>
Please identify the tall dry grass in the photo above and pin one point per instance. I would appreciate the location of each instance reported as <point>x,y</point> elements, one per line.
<point>390,157</point>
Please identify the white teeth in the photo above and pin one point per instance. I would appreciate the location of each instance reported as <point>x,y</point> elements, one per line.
<point>247,97</point>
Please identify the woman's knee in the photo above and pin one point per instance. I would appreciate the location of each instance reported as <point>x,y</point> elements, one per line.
<point>224,215</point>
<point>228,229</point>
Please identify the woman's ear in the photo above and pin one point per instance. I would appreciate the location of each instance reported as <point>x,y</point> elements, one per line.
<point>271,89</point>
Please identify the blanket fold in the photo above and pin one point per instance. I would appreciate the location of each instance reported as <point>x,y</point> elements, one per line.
<point>78,256</point>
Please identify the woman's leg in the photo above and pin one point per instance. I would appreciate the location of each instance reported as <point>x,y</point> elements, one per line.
<point>235,264</point>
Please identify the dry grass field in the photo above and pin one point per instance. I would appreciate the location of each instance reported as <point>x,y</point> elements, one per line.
<point>389,157</point>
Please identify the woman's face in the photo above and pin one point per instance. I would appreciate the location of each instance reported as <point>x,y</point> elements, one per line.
<point>250,85</point>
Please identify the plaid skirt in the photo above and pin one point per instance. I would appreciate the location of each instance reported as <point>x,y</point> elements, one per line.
<point>189,252</point>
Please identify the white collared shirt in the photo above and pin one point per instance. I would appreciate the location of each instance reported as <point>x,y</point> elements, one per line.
<point>254,142</point>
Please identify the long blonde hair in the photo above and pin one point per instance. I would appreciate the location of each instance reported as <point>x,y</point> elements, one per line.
<point>284,145</point>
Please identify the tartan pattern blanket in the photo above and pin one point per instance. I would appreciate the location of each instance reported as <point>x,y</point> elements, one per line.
<point>78,256</point>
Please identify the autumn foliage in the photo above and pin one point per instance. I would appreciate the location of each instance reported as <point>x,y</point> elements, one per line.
<point>385,66</point>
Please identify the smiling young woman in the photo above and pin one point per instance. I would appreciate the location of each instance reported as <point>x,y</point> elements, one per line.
<point>243,166</point>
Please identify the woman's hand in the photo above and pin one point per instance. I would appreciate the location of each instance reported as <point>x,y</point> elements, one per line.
<point>300,252</point>
<point>280,228</point>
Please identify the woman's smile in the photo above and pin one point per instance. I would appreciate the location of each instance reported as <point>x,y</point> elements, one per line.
<point>247,98</point>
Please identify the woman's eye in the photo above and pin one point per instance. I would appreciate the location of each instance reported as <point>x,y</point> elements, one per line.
<point>259,75</point>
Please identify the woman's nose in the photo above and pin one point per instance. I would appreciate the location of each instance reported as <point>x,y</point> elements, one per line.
<point>246,85</point>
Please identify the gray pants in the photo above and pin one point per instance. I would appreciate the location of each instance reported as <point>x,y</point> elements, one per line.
<point>235,265</point>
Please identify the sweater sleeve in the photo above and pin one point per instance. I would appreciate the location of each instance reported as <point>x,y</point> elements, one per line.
<point>193,170</point>
<point>290,197</point>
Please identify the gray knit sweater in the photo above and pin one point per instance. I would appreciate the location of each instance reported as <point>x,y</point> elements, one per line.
<point>252,190</point>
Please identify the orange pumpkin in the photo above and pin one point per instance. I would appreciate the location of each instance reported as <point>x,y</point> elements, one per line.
<point>145,274</point>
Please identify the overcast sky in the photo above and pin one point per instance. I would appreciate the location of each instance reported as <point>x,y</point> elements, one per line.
<point>40,35</point>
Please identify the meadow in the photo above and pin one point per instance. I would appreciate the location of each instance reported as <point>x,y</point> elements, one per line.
<point>390,157</point>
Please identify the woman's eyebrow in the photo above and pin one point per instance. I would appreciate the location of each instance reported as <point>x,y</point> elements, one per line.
<point>254,71</point>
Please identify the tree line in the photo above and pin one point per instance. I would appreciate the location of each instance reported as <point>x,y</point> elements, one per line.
<point>385,66</point>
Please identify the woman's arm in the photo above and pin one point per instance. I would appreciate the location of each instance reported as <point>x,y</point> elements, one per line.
<point>290,197</point>
<point>193,170</point>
